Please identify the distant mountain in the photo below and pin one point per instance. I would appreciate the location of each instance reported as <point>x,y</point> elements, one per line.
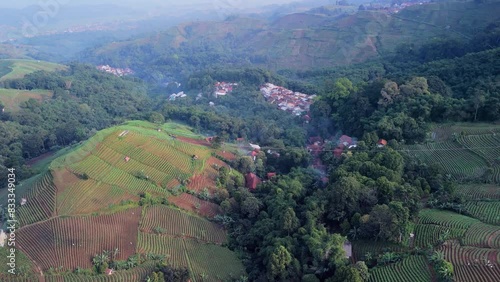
<point>331,35</point>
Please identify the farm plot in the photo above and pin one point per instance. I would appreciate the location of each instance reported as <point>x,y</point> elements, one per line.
<point>446,218</point>
<point>485,145</point>
<point>87,196</point>
<point>213,262</point>
<point>201,181</point>
<point>24,267</point>
<point>12,98</point>
<point>410,269</point>
<point>446,132</point>
<point>426,234</point>
<point>193,204</point>
<point>40,201</point>
<point>487,212</point>
<point>139,273</point>
<point>479,192</point>
<point>482,235</point>
<point>455,160</point>
<point>180,224</point>
<point>72,242</point>
<point>210,262</point>
<point>472,264</point>
<point>173,248</point>
<point>99,170</point>
<point>361,248</point>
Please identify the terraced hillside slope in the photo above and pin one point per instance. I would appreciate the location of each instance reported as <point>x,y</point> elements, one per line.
<point>116,192</point>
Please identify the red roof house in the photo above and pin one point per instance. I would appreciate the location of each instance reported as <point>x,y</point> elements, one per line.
<point>251,181</point>
<point>127,159</point>
<point>381,143</point>
<point>109,271</point>
<point>337,152</point>
<point>345,140</point>
<point>315,139</point>
<point>240,139</point>
<point>271,175</point>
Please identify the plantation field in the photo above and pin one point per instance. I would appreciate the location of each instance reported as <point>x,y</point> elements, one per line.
<point>472,264</point>
<point>479,192</point>
<point>476,233</point>
<point>12,98</point>
<point>361,248</point>
<point>410,269</point>
<point>193,204</point>
<point>457,161</point>
<point>446,132</point>
<point>139,273</point>
<point>207,262</point>
<point>426,234</point>
<point>20,68</point>
<point>180,224</point>
<point>72,242</point>
<point>487,212</point>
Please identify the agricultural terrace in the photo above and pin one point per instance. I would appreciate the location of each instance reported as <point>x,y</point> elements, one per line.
<point>361,248</point>
<point>12,98</point>
<point>14,69</point>
<point>193,204</point>
<point>176,223</point>
<point>460,163</point>
<point>40,194</point>
<point>72,242</point>
<point>426,234</point>
<point>479,191</point>
<point>410,269</point>
<point>472,264</point>
<point>138,273</point>
<point>447,131</point>
<point>487,212</point>
<point>206,262</point>
<point>476,233</point>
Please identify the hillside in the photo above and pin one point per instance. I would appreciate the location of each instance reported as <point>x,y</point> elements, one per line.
<point>301,40</point>
<point>153,186</point>
<point>14,69</point>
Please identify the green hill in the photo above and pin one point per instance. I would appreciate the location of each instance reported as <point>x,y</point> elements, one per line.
<point>303,40</point>
<point>122,179</point>
<point>14,69</point>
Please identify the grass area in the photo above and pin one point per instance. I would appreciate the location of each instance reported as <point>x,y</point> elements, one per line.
<point>20,68</point>
<point>43,163</point>
<point>24,267</point>
<point>12,98</point>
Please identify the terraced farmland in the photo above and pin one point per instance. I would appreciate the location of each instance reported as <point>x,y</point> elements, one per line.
<point>72,242</point>
<point>426,234</point>
<point>212,262</point>
<point>487,212</point>
<point>455,160</point>
<point>479,192</point>
<point>486,145</point>
<point>191,203</point>
<point>41,201</point>
<point>446,218</point>
<point>446,132</point>
<point>482,235</point>
<point>472,264</point>
<point>360,248</point>
<point>410,269</point>
<point>180,224</point>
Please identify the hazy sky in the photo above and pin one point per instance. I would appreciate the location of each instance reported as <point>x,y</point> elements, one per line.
<point>149,3</point>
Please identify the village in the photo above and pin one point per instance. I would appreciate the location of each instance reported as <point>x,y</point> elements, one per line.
<point>115,71</point>
<point>224,88</point>
<point>286,100</point>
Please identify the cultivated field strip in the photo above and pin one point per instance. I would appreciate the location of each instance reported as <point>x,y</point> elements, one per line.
<point>472,264</point>
<point>361,248</point>
<point>487,212</point>
<point>214,262</point>
<point>171,247</point>
<point>426,234</point>
<point>180,224</point>
<point>87,196</point>
<point>479,191</point>
<point>72,242</point>
<point>139,273</point>
<point>41,201</point>
<point>486,145</point>
<point>410,269</point>
<point>446,218</point>
<point>482,235</point>
<point>189,202</point>
<point>100,170</point>
<point>461,163</point>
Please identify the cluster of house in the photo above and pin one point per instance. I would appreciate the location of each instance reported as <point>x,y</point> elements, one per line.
<point>390,8</point>
<point>178,95</point>
<point>224,88</point>
<point>115,71</point>
<point>295,102</point>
